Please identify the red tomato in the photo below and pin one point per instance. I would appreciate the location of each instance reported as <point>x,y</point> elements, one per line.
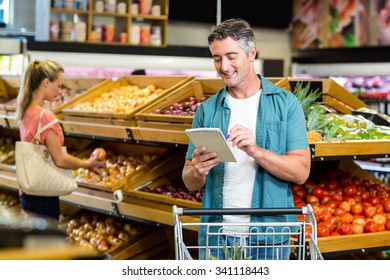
<point>379,219</point>
<point>374,200</point>
<point>332,184</point>
<point>357,198</point>
<point>381,228</point>
<point>344,228</point>
<point>300,193</point>
<point>295,187</point>
<point>349,189</point>
<point>332,203</point>
<point>344,205</point>
<point>337,196</point>
<point>365,195</point>
<point>318,192</point>
<point>339,212</point>
<point>369,211</point>
<point>322,230</point>
<point>345,178</point>
<point>387,225</point>
<point>325,216</point>
<point>346,218</point>
<point>335,220</point>
<point>325,198</point>
<point>302,217</point>
<point>309,185</point>
<point>370,226</point>
<point>357,209</point>
<point>359,221</point>
<point>357,228</point>
<point>386,205</point>
<point>379,208</point>
<point>351,201</point>
<point>313,200</point>
<point>330,225</point>
<point>356,181</point>
<point>300,204</point>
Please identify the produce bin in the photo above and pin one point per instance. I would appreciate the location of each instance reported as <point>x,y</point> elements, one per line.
<point>135,89</point>
<point>76,88</point>
<point>124,163</point>
<point>172,192</point>
<point>333,95</point>
<point>198,89</point>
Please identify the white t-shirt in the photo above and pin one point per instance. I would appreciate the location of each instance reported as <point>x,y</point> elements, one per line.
<point>240,176</point>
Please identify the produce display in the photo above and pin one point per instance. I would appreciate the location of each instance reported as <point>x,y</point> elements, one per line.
<point>65,96</point>
<point>118,167</point>
<point>123,99</point>
<point>8,200</point>
<point>100,232</point>
<point>344,204</point>
<point>187,108</point>
<point>325,124</point>
<point>176,189</point>
<point>7,150</point>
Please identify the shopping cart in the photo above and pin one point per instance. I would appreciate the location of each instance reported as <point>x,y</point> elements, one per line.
<point>261,240</point>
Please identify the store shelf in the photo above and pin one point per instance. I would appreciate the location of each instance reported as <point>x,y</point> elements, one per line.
<point>350,149</point>
<point>354,242</point>
<point>104,202</point>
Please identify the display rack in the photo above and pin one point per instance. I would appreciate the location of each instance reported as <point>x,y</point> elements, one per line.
<point>91,21</point>
<point>147,209</point>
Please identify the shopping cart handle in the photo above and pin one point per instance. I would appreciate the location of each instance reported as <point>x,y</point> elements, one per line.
<point>239,211</point>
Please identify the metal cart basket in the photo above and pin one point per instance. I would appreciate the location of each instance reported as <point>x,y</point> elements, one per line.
<point>261,240</point>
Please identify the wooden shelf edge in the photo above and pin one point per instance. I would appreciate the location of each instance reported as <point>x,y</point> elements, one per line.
<point>351,148</point>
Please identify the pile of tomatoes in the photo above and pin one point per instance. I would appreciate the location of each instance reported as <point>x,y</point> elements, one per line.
<point>344,204</point>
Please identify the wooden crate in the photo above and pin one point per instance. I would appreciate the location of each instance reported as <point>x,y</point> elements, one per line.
<point>333,95</point>
<point>198,88</point>
<point>139,246</point>
<point>169,84</point>
<point>353,241</point>
<point>9,88</point>
<point>81,86</point>
<point>165,202</point>
<point>144,246</point>
<point>125,150</point>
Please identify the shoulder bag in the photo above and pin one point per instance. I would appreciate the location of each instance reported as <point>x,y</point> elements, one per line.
<point>36,172</point>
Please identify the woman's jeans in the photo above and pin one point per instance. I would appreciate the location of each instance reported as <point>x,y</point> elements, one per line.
<point>45,206</point>
<point>237,248</point>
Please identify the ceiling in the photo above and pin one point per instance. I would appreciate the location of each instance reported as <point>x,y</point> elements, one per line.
<point>277,14</point>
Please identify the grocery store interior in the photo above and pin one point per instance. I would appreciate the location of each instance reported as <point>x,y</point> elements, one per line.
<point>339,48</point>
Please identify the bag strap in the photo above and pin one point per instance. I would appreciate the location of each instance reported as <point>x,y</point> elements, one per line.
<point>37,136</point>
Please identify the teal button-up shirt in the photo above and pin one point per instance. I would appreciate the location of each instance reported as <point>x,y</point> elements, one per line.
<point>280,127</point>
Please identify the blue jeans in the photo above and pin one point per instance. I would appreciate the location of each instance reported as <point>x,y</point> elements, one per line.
<point>45,206</point>
<point>238,248</point>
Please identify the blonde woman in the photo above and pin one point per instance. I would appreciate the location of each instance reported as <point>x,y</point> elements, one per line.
<point>42,81</point>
